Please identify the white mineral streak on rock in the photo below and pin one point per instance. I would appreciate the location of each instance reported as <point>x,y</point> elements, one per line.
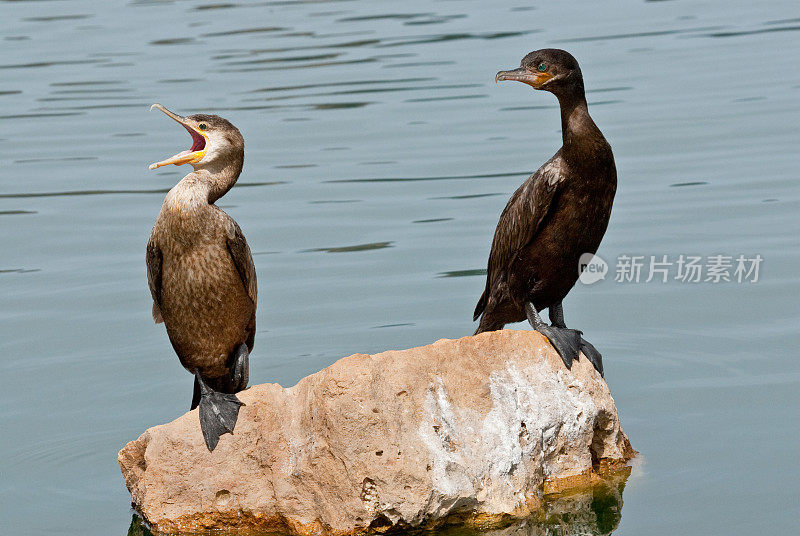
<point>494,460</point>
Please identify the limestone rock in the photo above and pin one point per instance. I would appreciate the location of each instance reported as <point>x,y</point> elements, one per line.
<point>475,430</point>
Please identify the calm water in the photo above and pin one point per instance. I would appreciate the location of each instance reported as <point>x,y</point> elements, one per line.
<point>379,156</point>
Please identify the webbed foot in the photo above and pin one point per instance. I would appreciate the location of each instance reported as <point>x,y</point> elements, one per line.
<point>567,342</point>
<point>592,355</point>
<point>218,413</point>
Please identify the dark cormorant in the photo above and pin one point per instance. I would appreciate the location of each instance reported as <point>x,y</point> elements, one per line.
<point>201,273</point>
<point>559,213</point>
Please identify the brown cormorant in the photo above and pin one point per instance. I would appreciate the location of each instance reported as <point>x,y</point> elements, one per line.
<point>201,273</point>
<point>559,213</point>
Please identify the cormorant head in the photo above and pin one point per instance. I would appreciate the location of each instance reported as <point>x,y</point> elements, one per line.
<point>551,69</point>
<point>215,142</point>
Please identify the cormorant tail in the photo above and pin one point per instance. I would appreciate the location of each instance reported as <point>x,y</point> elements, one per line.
<point>481,305</point>
<point>487,324</point>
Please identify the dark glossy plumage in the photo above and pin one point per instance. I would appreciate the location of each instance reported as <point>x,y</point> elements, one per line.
<point>560,212</point>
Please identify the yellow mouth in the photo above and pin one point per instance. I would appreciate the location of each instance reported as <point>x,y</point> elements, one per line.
<point>191,156</point>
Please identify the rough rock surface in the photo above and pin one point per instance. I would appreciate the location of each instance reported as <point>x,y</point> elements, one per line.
<point>474,430</point>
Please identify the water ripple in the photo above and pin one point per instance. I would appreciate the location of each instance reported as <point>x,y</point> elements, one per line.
<point>58,159</point>
<point>554,106</point>
<point>751,32</point>
<point>174,41</point>
<point>38,64</point>
<point>265,29</point>
<point>691,183</point>
<point>71,193</point>
<point>447,98</point>
<point>432,220</point>
<point>56,18</point>
<point>438,38</point>
<point>88,83</point>
<point>206,7</point>
<point>38,115</point>
<point>435,178</point>
<point>285,67</point>
<point>463,273</point>
<point>468,196</point>
<point>633,35</point>
<point>337,84</point>
<point>364,91</point>
<point>349,249</point>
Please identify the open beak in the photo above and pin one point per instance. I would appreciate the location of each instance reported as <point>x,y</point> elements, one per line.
<point>191,156</point>
<point>535,80</point>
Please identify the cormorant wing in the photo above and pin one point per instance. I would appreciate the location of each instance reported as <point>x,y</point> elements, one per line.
<point>519,224</point>
<point>242,258</point>
<point>154,262</point>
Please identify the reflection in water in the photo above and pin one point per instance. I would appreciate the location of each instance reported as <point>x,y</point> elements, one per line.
<point>593,512</point>
<point>138,528</point>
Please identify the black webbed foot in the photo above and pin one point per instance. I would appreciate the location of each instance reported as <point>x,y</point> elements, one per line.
<point>240,368</point>
<point>592,355</point>
<point>567,342</point>
<point>218,413</point>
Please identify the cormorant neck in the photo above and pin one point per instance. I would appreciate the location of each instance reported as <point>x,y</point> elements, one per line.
<point>574,117</point>
<point>221,176</point>
<point>577,128</point>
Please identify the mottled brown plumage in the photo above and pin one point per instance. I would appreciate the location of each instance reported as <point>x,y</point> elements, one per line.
<point>199,267</point>
<point>560,212</point>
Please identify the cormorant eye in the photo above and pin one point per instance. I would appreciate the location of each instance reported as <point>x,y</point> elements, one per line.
<point>542,67</point>
<point>202,126</point>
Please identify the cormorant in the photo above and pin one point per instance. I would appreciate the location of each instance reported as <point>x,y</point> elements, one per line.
<point>559,213</point>
<point>201,273</point>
